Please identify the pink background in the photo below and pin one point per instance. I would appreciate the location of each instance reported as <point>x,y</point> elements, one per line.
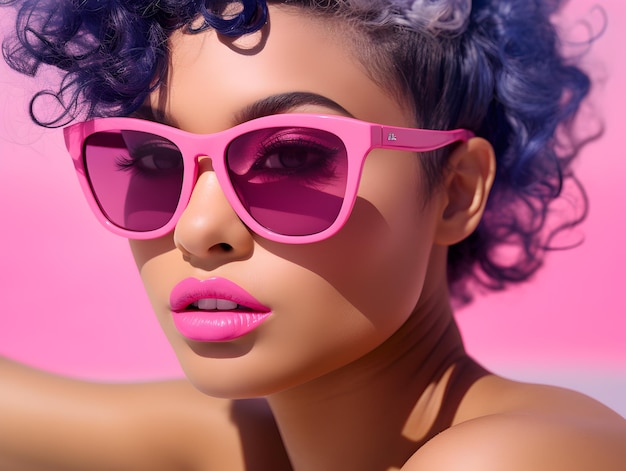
<point>72,301</point>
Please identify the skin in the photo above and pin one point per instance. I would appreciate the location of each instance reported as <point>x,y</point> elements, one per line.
<point>361,365</point>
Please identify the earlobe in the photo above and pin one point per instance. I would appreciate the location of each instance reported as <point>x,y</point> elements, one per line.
<point>469,176</point>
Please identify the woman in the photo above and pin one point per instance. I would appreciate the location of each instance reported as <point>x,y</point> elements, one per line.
<point>308,300</point>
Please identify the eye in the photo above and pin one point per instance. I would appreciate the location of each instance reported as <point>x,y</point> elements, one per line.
<point>152,159</point>
<point>292,155</point>
<point>304,155</point>
<point>294,150</point>
<point>157,158</point>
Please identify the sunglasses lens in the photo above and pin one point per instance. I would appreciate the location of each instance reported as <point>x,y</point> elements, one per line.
<point>292,181</point>
<point>135,176</point>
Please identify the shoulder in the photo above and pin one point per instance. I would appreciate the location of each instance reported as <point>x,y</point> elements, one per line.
<point>553,430</point>
<point>524,443</point>
<point>180,425</point>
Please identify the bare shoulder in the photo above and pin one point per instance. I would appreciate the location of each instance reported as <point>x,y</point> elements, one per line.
<point>528,428</point>
<point>198,432</point>
<point>52,422</point>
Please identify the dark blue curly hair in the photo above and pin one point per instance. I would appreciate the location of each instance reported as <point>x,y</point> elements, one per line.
<point>113,52</point>
<point>492,66</point>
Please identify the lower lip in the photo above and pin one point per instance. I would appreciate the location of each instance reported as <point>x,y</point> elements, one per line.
<point>217,326</point>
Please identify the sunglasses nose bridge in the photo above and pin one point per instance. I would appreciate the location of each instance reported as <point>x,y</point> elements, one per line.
<point>208,155</point>
<point>205,155</point>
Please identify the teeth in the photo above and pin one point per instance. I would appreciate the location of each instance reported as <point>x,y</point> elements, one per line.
<point>215,305</point>
<point>224,305</point>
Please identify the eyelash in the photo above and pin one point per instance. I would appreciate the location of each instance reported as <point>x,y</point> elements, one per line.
<point>132,163</point>
<point>323,165</point>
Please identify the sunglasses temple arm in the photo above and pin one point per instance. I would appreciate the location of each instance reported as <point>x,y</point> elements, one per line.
<point>73,139</point>
<point>420,140</point>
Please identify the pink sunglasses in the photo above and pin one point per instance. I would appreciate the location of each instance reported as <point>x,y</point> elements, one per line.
<point>291,178</point>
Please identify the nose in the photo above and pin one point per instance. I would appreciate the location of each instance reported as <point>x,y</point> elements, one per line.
<point>209,228</point>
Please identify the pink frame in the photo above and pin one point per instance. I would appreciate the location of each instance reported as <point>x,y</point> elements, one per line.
<point>359,137</point>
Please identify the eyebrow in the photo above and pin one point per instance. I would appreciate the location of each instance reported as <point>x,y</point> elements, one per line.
<point>285,102</point>
<point>273,104</point>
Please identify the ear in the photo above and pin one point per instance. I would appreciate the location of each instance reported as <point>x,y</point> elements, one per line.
<point>469,176</point>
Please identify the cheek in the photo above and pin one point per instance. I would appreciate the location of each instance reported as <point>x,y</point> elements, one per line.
<point>389,236</point>
<point>376,265</point>
<point>158,263</point>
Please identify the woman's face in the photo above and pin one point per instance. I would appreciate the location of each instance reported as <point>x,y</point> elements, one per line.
<point>329,302</point>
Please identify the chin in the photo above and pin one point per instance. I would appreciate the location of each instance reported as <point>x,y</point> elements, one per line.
<point>230,371</point>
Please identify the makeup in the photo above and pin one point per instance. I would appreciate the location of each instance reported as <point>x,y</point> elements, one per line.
<point>215,310</point>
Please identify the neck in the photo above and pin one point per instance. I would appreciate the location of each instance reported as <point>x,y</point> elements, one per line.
<point>376,412</point>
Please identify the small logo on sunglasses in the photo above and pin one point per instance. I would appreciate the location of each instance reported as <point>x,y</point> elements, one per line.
<point>392,137</point>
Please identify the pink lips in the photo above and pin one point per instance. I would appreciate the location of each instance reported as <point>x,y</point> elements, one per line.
<point>215,325</point>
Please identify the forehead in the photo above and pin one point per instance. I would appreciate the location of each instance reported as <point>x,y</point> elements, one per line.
<point>212,77</point>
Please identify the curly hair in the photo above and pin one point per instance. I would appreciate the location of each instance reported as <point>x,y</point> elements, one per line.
<point>492,66</point>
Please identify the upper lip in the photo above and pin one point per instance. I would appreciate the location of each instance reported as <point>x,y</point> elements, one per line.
<point>191,290</point>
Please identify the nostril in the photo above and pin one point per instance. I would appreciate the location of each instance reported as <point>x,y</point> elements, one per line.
<point>226,247</point>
